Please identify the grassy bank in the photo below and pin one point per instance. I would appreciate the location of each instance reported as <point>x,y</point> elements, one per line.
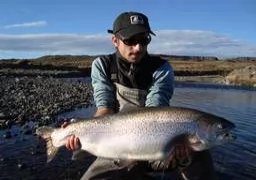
<point>186,69</point>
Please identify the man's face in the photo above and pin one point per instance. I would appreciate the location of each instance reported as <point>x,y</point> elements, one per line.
<point>134,48</point>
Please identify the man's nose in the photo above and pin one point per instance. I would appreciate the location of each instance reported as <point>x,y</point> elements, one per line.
<point>138,47</point>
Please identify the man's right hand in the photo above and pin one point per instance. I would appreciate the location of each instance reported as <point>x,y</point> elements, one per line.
<point>180,152</point>
<point>73,142</point>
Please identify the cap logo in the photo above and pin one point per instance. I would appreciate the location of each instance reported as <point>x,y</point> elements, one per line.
<point>136,19</point>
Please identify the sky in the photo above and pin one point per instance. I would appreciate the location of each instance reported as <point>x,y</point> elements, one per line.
<point>35,28</point>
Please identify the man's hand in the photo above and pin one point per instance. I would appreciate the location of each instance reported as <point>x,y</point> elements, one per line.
<point>73,143</point>
<point>180,152</point>
<point>181,156</point>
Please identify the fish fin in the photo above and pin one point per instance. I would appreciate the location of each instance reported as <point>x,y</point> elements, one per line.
<point>104,165</point>
<point>121,163</point>
<point>51,150</point>
<point>45,132</point>
<point>79,154</point>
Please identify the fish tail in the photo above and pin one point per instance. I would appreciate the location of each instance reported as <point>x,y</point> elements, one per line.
<point>45,132</point>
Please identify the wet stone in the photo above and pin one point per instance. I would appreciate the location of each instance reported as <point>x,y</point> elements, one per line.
<point>2,159</point>
<point>7,135</point>
<point>8,123</point>
<point>5,124</point>
<point>33,151</point>
<point>21,166</point>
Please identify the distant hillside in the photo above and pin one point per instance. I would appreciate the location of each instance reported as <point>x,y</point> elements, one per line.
<point>183,65</point>
<point>186,68</point>
<point>79,58</point>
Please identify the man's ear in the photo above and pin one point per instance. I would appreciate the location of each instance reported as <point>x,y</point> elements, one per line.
<point>115,41</point>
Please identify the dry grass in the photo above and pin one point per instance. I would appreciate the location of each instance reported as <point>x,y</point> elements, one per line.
<point>178,65</point>
<point>182,67</point>
<point>220,65</point>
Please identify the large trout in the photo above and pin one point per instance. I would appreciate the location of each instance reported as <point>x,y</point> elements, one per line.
<point>142,134</point>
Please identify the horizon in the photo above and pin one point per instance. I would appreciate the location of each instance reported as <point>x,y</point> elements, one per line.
<point>168,55</point>
<point>222,29</point>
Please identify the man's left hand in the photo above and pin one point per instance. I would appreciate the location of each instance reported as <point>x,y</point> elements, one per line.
<point>180,152</point>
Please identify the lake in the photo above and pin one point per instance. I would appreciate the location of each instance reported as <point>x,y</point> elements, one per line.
<point>238,159</point>
<point>234,161</point>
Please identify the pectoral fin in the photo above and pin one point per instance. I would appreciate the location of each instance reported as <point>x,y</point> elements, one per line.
<point>121,163</point>
<point>107,167</point>
<point>45,133</point>
<point>79,154</point>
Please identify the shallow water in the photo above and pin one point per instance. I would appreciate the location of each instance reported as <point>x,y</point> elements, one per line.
<point>238,159</point>
<point>23,158</point>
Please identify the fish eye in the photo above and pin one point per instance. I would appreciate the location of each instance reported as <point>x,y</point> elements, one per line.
<point>226,135</point>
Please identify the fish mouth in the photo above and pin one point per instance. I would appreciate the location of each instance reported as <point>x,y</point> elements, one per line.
<point>228,135</point>
<point>196,143</point>
<point>219,137</point>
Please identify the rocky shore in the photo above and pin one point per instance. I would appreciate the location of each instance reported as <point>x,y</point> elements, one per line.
<point>40,98</point>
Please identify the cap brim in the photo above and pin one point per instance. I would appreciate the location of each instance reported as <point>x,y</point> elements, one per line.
<point>132,31</point>
<point>110,31</point>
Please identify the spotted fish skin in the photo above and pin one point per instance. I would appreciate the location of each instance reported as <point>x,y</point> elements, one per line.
<point>148,133</point>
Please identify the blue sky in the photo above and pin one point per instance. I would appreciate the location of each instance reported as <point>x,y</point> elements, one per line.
<point>34,28</point>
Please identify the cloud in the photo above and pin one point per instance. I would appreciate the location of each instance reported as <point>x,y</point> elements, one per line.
<point>205,43</point>
<point>27,24</point>
<point>56,43</point>
<point>176,42</point>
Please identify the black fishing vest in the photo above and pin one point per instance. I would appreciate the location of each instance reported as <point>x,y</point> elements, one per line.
<point>137,76</point>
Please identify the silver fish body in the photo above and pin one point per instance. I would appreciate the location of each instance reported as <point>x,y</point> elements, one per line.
<point>143,133</point>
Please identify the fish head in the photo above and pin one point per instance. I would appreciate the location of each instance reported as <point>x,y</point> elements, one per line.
<point>212,131</point>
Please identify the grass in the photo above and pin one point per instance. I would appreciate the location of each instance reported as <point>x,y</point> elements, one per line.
<point>182,67</point>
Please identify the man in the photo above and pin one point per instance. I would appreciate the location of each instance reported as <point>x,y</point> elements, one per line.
<point>129,78</point>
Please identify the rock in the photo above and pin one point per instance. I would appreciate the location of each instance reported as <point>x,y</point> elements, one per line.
<point>8,123</point>
<point>7,135</point>
<point>21,165</point>
<point>2,159</point>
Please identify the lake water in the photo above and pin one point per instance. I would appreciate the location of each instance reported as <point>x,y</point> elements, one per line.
<point>235,160</point>
<point>238,159</point>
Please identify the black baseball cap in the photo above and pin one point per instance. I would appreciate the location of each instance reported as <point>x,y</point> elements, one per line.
<point>129,24</point>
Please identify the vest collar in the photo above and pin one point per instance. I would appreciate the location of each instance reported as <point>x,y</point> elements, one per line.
<point>123,60</point>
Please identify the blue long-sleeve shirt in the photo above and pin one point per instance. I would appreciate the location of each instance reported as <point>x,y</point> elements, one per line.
<point>159,93</point>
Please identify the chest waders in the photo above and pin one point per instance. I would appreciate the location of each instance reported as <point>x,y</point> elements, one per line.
<point>128,97</point>
<point>131,81</point>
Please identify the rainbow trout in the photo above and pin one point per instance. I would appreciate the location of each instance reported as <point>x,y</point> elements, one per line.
<point>142,134</point>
